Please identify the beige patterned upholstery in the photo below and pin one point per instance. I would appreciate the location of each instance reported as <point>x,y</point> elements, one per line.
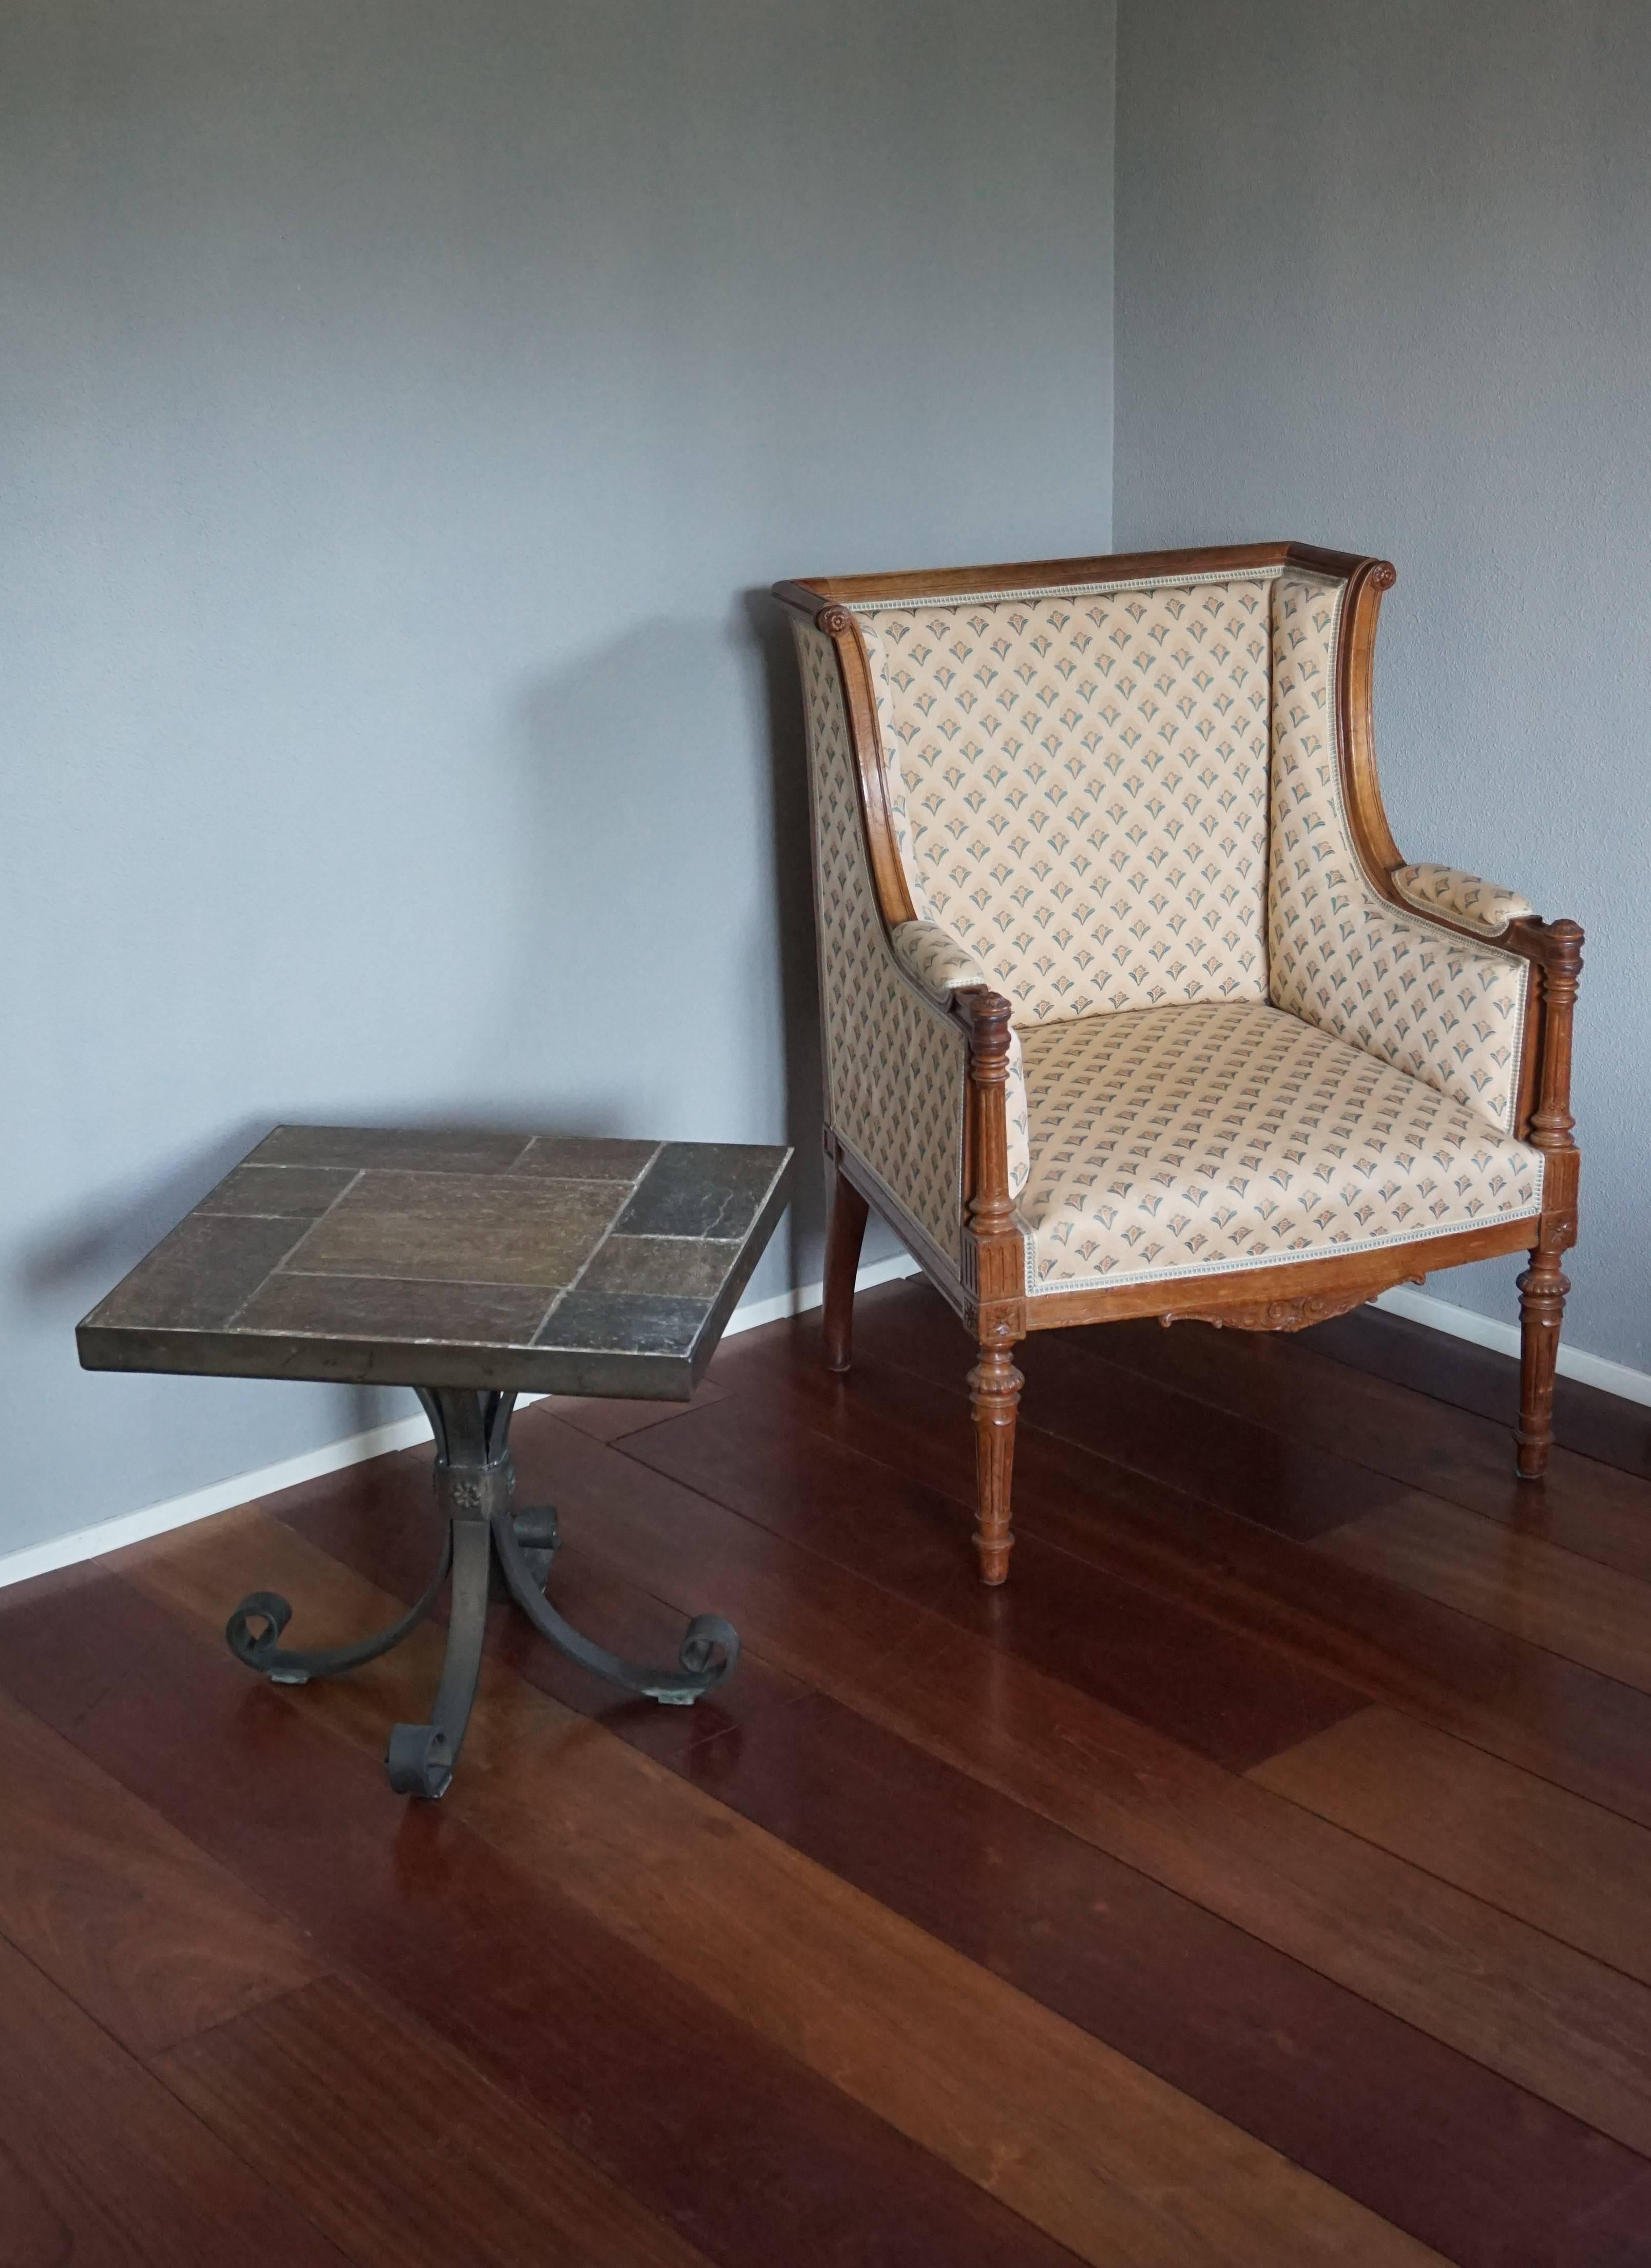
<point>935,959</point>
<point>1187,1141</point>
<point>1121,807</point>
<point>1080,782</point>
<point>895,1064</point>
<point>1486,905</point>
<point>943,966</point>
<point>1342,957</point>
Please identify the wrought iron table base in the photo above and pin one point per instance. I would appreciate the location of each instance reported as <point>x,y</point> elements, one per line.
<point>474,1478</point>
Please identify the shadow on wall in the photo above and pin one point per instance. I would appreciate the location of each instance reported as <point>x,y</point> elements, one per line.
<point>691,860</point>
<point>86,1253</point>
<point>770,629</point>
<point>670,763</point>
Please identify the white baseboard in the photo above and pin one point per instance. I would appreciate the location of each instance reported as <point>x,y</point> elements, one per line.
<point>751,1313</point>
<point>1488,1331</point>
<point>379,1440</point>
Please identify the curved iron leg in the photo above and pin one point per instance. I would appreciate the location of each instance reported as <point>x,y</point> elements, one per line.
<point>293,1666</point>
<point>536,1533</point>
<point>704,1636</point>
<point>474,1478</point>
<point>420,1759</point>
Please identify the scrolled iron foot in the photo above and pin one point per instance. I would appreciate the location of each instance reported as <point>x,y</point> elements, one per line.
<point>259,1649</point>
<point>420,1761</point>
<point>698,1672</point>
<point>474,1478</point>
<point>705,1637</point>
<point>291,1666</point>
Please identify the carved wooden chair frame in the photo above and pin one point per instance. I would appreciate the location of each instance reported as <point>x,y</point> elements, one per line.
<point>1284,1297</point>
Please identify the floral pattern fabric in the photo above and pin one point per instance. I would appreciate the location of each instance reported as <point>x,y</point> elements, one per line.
<point>1079,787</point>
<point>1487,905</point>
<point>943,966</point>
<point>896,1066</point>
<point>1420,998</point>
<point>1196,1140</point>
<point>1123,809</point>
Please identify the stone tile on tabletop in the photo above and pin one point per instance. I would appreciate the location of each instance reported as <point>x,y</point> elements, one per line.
<point>569,1159</point>
<point>196,1278</point>
<point>421,1271</point>
<point>421,1149</point>
<point>460,1228</point>
<point>304,1192</point>
<point>699,1189</point>
<point>678,1267</point>
<point>392,1307</point>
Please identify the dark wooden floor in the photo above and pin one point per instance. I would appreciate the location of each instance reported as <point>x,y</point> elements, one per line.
<point>1265,1877</point>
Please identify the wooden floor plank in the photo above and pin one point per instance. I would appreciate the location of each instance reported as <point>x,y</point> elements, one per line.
<point>409,2157</point>
<point>1586,1421</point>
<point>1254,1883</point>
<point>1580,1873</point>
<point>382,1524</point>
<point>745,2150</point>
<point>125,1915</point>
<point>1207,1686</point>
<point>1587,1732</point>
<point>100,2166</point>
<point>1572,1607</point>
<point>1072,2134</point>
<point>1280,1481</point>
<point>1500,1992</point>
<point>1258,1425</point>
<point>1566,2030</point>
<point>247,1549</point>
<point>1299,1394</point>
<point>605,1420</point>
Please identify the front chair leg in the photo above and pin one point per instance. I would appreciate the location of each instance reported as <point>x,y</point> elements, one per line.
<point>994,1386</point>
<point>844,1231</point>
<point>1541,1289</point>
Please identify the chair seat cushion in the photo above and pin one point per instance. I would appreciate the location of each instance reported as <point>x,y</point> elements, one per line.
<point>1194,1140</point>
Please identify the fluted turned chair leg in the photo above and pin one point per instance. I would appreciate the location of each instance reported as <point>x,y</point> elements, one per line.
<point>994,1386</point>
<point>845,1230</point>
<point>1541,1289</point>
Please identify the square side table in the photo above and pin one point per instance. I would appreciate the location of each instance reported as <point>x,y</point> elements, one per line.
<point>472,1265</point>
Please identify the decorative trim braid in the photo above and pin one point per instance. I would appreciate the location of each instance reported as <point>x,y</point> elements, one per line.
<point>1262,1260</point>
<point>1060,590</point>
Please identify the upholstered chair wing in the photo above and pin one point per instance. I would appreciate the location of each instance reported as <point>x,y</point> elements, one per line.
<point>1130,1003</point>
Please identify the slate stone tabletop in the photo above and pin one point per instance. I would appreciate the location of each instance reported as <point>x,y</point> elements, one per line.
<point>453,1257</point>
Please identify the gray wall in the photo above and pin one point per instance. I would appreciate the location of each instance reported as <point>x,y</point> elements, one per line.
<point>401,401</point>
<point>1383,281</point>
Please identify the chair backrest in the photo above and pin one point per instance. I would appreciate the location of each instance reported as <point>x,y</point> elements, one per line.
<point>1078,779</point>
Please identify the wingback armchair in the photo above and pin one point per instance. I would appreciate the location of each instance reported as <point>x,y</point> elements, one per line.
<point>1131,1005</point>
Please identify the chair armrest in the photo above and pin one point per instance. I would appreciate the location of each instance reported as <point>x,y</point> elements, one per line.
<point>939,965</point>
<point>933,957</point>
<point>1482,906</point>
